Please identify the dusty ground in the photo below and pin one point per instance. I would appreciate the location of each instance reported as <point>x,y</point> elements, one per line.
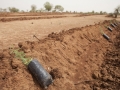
<point>78,58</point>
<point>18,31</point>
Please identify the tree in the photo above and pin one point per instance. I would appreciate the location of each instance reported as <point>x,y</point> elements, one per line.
<point>1,9</point>
<point>42,10</point>
<point>93,12</point>
<point>96,13</point>
<point>13,9</point>
<point>104,12</point>
<point>117,10</point>
<point>101,12</point>
<point>33,8</point>
<point>5,10</point>
<point>22,11</point>
<point>74,12</point>
<point>54,10</point>
<point>48,6</point>
<point>59,8</point>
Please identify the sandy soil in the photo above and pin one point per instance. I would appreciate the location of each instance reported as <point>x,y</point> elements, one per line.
<point>17,31</point>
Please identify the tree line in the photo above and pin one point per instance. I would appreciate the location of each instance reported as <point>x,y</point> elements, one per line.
<point>47,7</point>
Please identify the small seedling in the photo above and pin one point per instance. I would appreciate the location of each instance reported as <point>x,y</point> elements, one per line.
<point>21,55</point>
<point>104,35</point>
<point>112,24</point>
<point>115,23</point>
<point>110,21</point>
<point>101,31</point>
<point>36,69</point>
<point>106,26</point>
<point>110,29</point>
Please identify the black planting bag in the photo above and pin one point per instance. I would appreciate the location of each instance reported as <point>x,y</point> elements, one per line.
<point>115,24</point>
<point>110,29</point>
<point>42,76</point>
<point>112,25</point>
<point>106,37</point>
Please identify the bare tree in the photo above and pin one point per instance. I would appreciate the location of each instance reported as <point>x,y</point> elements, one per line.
<point>117,10</point>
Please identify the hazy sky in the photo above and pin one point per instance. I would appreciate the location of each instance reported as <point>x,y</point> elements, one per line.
<point>70,5</point>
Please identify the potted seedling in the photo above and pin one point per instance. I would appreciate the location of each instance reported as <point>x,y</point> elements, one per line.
<point>36,69</point>
<point>104,35</point>
<point>112,24</point>
<point>109,28</point>
<point>115,23</point>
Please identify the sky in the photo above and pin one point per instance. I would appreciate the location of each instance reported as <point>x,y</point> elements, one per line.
<point>69,5</point>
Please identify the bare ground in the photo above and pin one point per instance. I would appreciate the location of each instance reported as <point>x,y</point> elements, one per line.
<point>78,58</point>
<point>17,31</point>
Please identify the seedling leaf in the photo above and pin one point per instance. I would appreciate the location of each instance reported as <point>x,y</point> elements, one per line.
<point>21,55</point>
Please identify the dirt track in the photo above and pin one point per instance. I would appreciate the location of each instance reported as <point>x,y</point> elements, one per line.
<point>19,31</point>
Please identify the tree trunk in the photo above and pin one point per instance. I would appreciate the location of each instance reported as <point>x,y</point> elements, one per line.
<point>115,15</point>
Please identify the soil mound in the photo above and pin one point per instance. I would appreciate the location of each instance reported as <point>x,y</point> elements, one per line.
<point>4,19</point>
<point>108,76</point>
<point>77,59</point>
<point>28,14</point>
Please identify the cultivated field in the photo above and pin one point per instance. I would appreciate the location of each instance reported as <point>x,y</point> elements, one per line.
<point>16,31</point>
<point>69,46</point>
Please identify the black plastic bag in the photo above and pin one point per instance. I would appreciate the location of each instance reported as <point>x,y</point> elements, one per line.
<point>113,25</point>
<point>110,29</point>
<point>106,37</point>
<point>37,70</point>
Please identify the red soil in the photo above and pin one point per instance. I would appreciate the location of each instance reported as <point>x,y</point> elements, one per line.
<point>72,57</point>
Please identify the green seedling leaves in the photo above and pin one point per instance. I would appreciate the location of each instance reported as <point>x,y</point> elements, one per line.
<point>110,21</point>
<point>106,26</point>
<point>101,31</point>
<point>21,56</point>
